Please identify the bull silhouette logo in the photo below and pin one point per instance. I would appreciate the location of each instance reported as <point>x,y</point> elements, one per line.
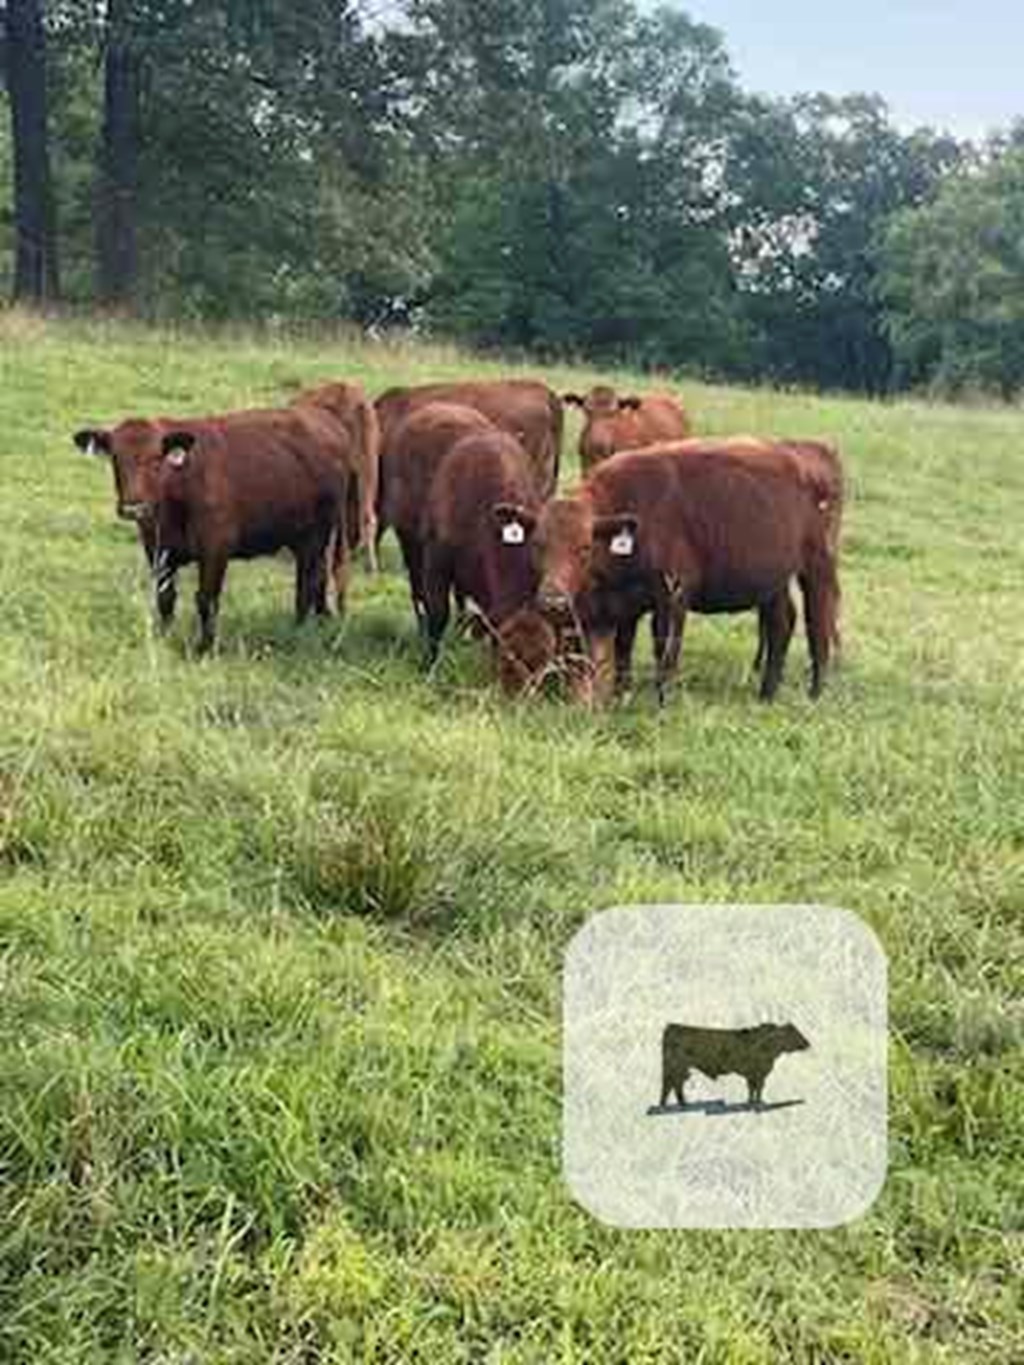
<point>747,1052</point>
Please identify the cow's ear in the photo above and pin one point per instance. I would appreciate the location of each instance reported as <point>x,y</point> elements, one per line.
<point>619,532</point>
<point>176,447</point>
<point>572,400</point>
<point>515,523</point>
<point>92,442</point>
<point>630,402</point>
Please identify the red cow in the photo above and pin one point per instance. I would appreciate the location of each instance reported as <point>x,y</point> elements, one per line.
<point>474,532</point>
<point>208,490</point>
<point>689,526</point>
<point>348,405</point>
<point>415,451</point>
<point>611,423</point>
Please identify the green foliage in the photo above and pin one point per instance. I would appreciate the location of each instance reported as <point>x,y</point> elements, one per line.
<point>953,280</point>
<point>281,931</point>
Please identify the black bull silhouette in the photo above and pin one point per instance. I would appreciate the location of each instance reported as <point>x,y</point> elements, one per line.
<point>747,1052</point>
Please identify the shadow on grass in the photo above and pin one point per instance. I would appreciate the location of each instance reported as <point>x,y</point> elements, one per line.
<point>715,1108</point>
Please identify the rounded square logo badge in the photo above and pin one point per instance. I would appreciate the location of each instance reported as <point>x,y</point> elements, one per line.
<point>725,1066</point>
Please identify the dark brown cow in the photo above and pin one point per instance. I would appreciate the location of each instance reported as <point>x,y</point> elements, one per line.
<point>415,451</point>
<point>474,533</point>
<point>690,526</point>
<point>208,490</point>
<point>747,1052</point>
<point>612,423</point>
<point>526,408</point>
<point>348,405</point>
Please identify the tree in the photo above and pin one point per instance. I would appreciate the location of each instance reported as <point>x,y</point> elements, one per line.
<point>36,277</point>
<point>117,252</point>
<point>952,279</point>
<point>814,180</point>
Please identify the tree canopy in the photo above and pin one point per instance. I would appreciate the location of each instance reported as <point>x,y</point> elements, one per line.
<point>558,177</point>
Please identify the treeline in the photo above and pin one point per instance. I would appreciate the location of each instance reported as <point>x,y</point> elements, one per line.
<point>578,178</point>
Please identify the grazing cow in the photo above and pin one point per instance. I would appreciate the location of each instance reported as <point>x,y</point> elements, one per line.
<point>208,490</point>
<point>612,423</point>
<point>525,408</point>
<point>474,535</point>
<point>689,526</point>
<point>747,1052</point>
<point>413,455</point>
<point>348,405</point>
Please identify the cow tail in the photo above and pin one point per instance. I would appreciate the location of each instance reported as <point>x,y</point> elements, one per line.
<point>369,480</point>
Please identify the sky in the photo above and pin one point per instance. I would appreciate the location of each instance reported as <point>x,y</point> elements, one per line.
<point>952,64</point>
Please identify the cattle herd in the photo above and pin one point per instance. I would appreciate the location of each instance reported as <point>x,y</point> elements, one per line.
<point>466,475</point>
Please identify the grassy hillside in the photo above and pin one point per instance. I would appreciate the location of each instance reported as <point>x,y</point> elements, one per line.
<point>281,931</point>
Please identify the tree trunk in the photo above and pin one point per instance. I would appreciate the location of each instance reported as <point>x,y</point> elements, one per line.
<point>117,186</point>
<point>35,260</point>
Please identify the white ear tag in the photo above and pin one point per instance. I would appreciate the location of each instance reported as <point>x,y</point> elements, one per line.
<point>176,458</point>
<point>91,448</point>
<point>512,533</point>
<point>622,544</point>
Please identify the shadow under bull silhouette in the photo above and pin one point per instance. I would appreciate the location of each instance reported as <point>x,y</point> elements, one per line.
<point>747,1052</point>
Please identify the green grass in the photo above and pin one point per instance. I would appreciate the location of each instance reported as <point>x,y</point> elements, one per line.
<point>281,931</point>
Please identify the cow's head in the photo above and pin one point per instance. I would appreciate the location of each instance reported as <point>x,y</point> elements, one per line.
<point>788,1038</point>
<point>339,399</point>
<point>602,401</point>
<point>136,450</point>
<point>576,550</point>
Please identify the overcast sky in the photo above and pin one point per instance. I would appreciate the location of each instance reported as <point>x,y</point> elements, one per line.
<point>953,64</point>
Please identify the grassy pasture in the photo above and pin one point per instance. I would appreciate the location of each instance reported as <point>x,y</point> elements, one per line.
<point>281,931</point>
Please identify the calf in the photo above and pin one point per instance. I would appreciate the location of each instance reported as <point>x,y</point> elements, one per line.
<point>747,1052</point>
<point>690,526</point>
<point>525,408</point>
<point>208,490</point>
<point>348,406</point>
<point>612,423</point>
<point>474,537</point>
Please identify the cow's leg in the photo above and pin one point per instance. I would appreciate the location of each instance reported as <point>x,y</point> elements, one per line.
<point>212,568</point>
<point>165,587</point>
<point>821,595</point>
<point>602,656</point>
<point>437,580</point>
<point>679,1084</point>
<point>761,656</point>
<point>667,628</point>
<point>778,617</point>
<point>412,556</point>
<point>625,636</point>
<point>339,558</point>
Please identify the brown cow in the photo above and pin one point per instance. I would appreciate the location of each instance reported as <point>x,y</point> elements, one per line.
<point>474,533</point>
<point>348,405</point>
<point>416,449</point>
<point>612,423</point>
<point>747,1052</point>
<point>690,526</point>
<point>526,408</point>
<point>208,490</point>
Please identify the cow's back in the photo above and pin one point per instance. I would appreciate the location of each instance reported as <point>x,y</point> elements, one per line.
<point>525,408</point>
<point>414,453</point>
